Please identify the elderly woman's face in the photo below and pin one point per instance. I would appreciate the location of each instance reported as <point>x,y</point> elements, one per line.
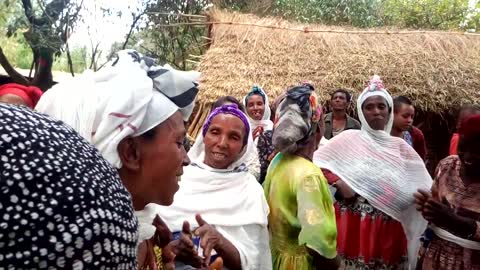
<point>224,141</point>
<point>153,164</point>
<point>255,107</point>
<point>375,110</point>
<point>469,154</point>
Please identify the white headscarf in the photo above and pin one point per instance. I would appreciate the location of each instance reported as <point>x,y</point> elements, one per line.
<point>383,169</point>
<point>126,99</point>
<point>266,123</point>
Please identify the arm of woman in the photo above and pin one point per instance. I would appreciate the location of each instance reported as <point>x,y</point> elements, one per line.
<point>211,239</point>
<point>443,215</point>
<point>436,209</point>
<point>316,215</point>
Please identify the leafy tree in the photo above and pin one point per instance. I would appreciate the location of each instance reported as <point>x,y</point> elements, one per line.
<point>428,14</point>
<point>169,31</point>
<point>45,26</point>
<point>361,13</point>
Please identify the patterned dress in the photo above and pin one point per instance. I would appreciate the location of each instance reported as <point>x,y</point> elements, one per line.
<point>301,213</point>
<point>265,150</point>
<point>367,237</point>
<point>465,199</point>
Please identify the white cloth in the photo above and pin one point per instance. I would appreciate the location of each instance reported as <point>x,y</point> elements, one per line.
<point>145,228</point>
<point>230,199</point>
<point>445,235</point>
<point>265,122</point>
<point>383,169</point>
<point>126,99</point>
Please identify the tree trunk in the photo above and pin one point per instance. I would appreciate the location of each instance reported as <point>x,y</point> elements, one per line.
<point>16,77</point>
<point>43,75</point>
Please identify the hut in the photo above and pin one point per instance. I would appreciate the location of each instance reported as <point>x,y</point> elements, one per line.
<point>439,71</point>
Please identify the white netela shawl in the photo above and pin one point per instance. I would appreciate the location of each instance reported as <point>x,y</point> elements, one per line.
<point>383,169</point>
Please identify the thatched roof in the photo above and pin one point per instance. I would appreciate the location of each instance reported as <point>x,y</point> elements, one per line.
<point>439,70</point>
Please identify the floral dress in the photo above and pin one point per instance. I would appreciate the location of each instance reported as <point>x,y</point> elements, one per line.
<point>265,151</point>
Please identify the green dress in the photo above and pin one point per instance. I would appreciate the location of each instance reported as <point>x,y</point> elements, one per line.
<point>301,213</point>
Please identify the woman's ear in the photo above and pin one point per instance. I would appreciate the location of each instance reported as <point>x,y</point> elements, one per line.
<point>129,153</point>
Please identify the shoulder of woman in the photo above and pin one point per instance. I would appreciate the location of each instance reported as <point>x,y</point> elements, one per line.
<point>447,164</point>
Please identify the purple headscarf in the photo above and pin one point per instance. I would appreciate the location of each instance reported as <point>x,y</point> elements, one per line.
<point>228,109</point>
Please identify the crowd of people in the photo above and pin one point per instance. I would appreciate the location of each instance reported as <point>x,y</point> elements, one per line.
<point>95,174</point>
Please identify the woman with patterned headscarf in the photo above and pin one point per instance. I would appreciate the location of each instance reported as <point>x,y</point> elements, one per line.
<point>133,112</point>
<point>376,175</point>
<point>302,219</point>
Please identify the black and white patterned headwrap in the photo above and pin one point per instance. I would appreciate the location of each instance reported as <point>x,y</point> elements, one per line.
<point>62,206</point>
<point>181,87</point>
<point>127,98</point>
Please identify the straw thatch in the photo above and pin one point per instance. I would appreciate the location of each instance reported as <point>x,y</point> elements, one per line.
<point>438,70</point>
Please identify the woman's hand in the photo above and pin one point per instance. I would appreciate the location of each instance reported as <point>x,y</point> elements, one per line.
<point>421,197</point>
<point>163,235</point>
<point>347,194</point>
<point>210,238</point>
<point>257,132</point>
<point>185,249</point>
<point>439,213</point>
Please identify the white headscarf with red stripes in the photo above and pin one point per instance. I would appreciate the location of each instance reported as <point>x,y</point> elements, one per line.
<point>125,99</point>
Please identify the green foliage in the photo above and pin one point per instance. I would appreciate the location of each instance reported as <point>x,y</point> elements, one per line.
<point>429,14</point>
<point>360,13</point>
<point>17,51</point>
<point>79,56</point>
<point>172,45</point>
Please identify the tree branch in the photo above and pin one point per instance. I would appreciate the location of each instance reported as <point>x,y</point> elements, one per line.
<point>134,23</point>
<point>16,77</point>
<point>27,8</point>
<point>56,7</point>
<point>31,69</point>
<point>69,57</point>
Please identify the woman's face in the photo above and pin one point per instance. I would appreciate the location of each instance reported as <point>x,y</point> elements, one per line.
<point>255,107</point>
<point>403,117</point>
<point>376,112</point>
<point>469,154</point>
<point>224,141</point>
<point>153,165</point>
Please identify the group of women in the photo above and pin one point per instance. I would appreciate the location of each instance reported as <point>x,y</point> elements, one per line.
<point>101,188</point>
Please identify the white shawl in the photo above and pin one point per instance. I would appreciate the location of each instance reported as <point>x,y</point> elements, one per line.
<point>230,199</point>
<point>383,169</point>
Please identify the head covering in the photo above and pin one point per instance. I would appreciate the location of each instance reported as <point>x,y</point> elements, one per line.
<point>226,198</point>
<point>470,128</point>
<point>63,206</point>
<point>298,117</point>
<point>29,94</point>
<point>266,123</point>
<point>128,98</point>
<point>375,88</point>
<point>356,156</point>
<point>227,109</point>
